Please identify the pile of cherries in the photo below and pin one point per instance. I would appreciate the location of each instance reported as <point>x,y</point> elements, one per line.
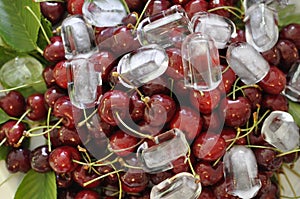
<point>75,140</point>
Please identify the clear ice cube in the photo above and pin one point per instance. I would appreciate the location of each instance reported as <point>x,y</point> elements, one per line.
<point>182,185</point>
<point>220,28</point>
<point>292,89</point>
<point>104,13</point>
<point>261,28</point>
<point>247,62</point>
<point>201,63</point>
<point>142,65</point>
<point>160,28</point>
<point>168,147</point>
<point>280,130</point>
<point>78,37</point>
<point>240,172</point>
<point>274,4</point>
<point>83,81</point>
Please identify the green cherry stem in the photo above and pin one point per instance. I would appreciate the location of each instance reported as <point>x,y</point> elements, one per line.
<point>21,86</point>
<point>234,87</point>
<point>100,177</point>
<point>22,117</point>
<point>48,133</point>
<point>230,9</point>
<point>3,141</point>
<point>141,16</point>
<point>119,181</point>
<point>87,118</point>
<point>263,147</point>
<point>289,152</point>
<point>243,87</point>
<point>29,134</point>
<point>126,6</point>
<point>188,159</point>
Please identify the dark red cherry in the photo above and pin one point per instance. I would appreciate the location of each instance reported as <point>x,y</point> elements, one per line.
<point>37,106</point>
<point>54,137</point>
<point>136,107</point>
<point>60,74</point>
<point>189,121</point>
<point>135,5</point>
<point>207,193</point>
<point>55,52</point>
<point>274,82</point>
<point>205,101</point>
<point>156,6</point>
<point>18,160</point>
<point>209,175</point>
<point>272,56</point>
<point>104,37</point>
<point>230,134</point>
<point>52,94</point>
<point>13,103</point>
<point>75,6</point>
<point>61,159</point>
<point>180,2</point>
<point>63,108</point>
<point>271,192</point>
<point>122,144</point>
<point>267,159</point>
<point>69,137</point>
<point>175,67</point>
<point>218,3</point>
<point>64,180</point>
<point>111,179</point>
<point>13,132</point>
<point>228,78</point>
<point>254,95</point>
<point>289,54</point>
<point>113,102</point>
<point>275,102</point>
<point>82,175</point>
<point>209,146</point>
<point>212,121</point>
<point>291,32</point>
<point>53,11</point>
<point>238,112</point>
<point>130,19</point>
<point>40,159</point>
<point>87,194</point>
<point>161,176</point>
<point>195,6</point>
<point>134,181</point>
<point>48,76</point>
<point>220,191</point>
<point>181,164</point>
<point>157,86</point>
<point>161,110</point>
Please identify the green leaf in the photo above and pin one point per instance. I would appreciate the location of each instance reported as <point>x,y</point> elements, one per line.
<point>42,42</point>
<point>3,116</point>
<point>288,15</point>
<point>294,110</point>
<point>6,55</point>
<point>18,27</point>
<point>3,152</point>
<point>36,186</point>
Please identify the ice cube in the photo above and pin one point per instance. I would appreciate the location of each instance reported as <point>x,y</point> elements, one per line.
<point>261,28</point>
<point>247,62</point>
<point>182,185</point>
<point>83,82</point>
<point>280,130</point>
<point>143,65</point>
<point>159,28</point>
<point>168,147</point>
<point>292,89</point>
<point>201,63</point>
<point>104,13</point>
<point>220,28</point>
<point>78,37</point>
<point>240,172</point>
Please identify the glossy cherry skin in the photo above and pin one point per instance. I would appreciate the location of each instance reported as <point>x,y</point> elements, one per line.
<point>209,175</point>
<point>206,101</point>
<point>272,56</point>
<point>75,7</point>
<point>181,165</point>
<point>134,181</point>
<point>218,3</point>
<point>275,102</point>
<point>48,76</point>
<point>69,137</point>
<point>40,159</point>
<point>61,159</point>
<point>206,193</point>
<point>212,121</point>
<point>63,108</point>
<point>189,121</point>
<point>289,54</point>
<point>82,175</point>
<point>228,78</point>
<point>60,75</point>
<point>161,110</point>
<point>13,131</point>
<point>230,134</point>
<point>291,32</point>
<point>156,6</point>
<point>130,19</point>
<point>122,144</point>
<point>52,94</point>
<point>220,191</point>
<point>157,86</point>
<point>159,177</point>
<point>87,194</point>
<point>18,160</point>
<point>195,6</point>
<point>112,102</point>
<point>136,107</point>
<point>175,67</point>
<point>238,112</point>
<point>208,146</point>
<point>274,82</point>
<point>37,106</point>
<point>254,95</point>
<point>13,103</point>
<point>266,159</point>
<point>54,52</point>
<point>53,11</point>
<point>64,180</point>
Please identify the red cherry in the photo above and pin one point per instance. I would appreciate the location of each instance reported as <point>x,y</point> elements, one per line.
<point>206,101</point>
<point>53,11</point>
<point>209,146</point>
<point>254,95</point>
<point>291,32</point>
<point>272,56</point>
<point>63,108</point>
<point>48,76</point>
<point>75,6</point>
<point>60,75</point>
<point>136,5</point>
<point>39,159</point>
<point>180,2</point>
<point>55,51</point>
<point>18,160</point>
<point>87,194</point>
<point>195,6</point>
<point>69,137</point>
<point>267,159</point>
<point>275,102</point>
<point>134,181</point>
<point>220,191</point>
<point>13,103</point>
<point>13,132</point>
<point>37,106</point>
<point>212,121</point>
<point>52,94</point>
<point>209,175</point>
<point>230,134</point>
<point>206,193</point>
<point>181,165</point>
<point>122,143</point>
<point>219,3</point>
<point>289,54</point>
<point>274,82</point>
<point>159,177</point>
<point>228,78</point>
<point>175,67</point>
<point>130,19</point>
<point>64,180</point>
<point>156,6</point>
<point>136,107</point>
<point>82,175</point>
<point>157,86</point>
<point>238,112</point>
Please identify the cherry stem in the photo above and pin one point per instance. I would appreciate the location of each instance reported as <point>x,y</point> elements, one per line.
<point>105,158</point>
<point>40,24</point>
<point>3,141</point>
<point>234,87</point>
<point>262,147</point>
<point>235,139</point>
<point>131,129</point>
<point>172,86</point>
<point>48,133</point>
<point>29,134</point>
<point>22,117</point>
<point>22,86</point>
<point>141,16</point>
<point>230,9</point>
<point>227,68</point>
<point>126,6</point>
<point>243,87</point>
<point>80,124</point>
<point>289,152</point>
<point>119,181</point>
<point>100,177</point>
<point>290,184</point>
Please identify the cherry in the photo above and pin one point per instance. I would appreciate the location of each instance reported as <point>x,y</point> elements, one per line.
<point>187,120</point>
<point>40,159</point>
<point>147,129</point>
<point>206,101</point>
<point>52,94</point>
<point>64,180</point>
<point>136,107</point>
<point>291,158</point>
<point>134,181</point>
<point>254,95</point>
<point>48,76</point>
<point>104,37</point>
<point>291,32</point>
<point>209,175</point>
<point>161,110</point>
<point>82,175</point>
<point>272,56</point>
<point>87,194</point>
<point>208,146</point>
<point>75,7</point>
<point>220,191</point>
<point>289,54</point>
<point>229,134</point>
<point>195,6</point>
<point>135,5</point>
<point>63,108</point>
<point>122,144</point>
<point>180,2</point>
<point>212,121</point>
<point>219,3</point>
<point>271,193</point>
<point>157,86</point>
<point>13,131</point>
<point>37,106</point>
<point>60,74</point>
<point>274,82</point>
<point>175,67</point>
<point>54,137</point>
<point>13,103</point>
<point>161,176</point>
<point>61,159</point>
<point>130,19</point>
<point>53,11</point>
<point>54,52</point>
<point>238,112</point>
<point>181,164</point>
<point>67,193</point>
<point>206,193</point>
<point>69,137</point>
<point>18,160</point>
<point>265,183</point>
<point>156,6</point>
<point>112,102</point>
<point>111,179</point>
<point>266,158</point>
<point>228,78</point>
<point>275,102</point>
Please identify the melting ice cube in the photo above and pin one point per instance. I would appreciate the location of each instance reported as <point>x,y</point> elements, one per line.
<point>292,89</point>
<point>247,63</point>
<point>261,28</point>
<point>169,146</point>
<point>201,63</point>
<point>220,28</point>
<point>158,29</point>
<point>143,65</point>
<point>280,130</point>
<point>83,81</point>
<point>182,185</point>
<point>240,172</point>
<point>103,13</point>
<point>78,37</point>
